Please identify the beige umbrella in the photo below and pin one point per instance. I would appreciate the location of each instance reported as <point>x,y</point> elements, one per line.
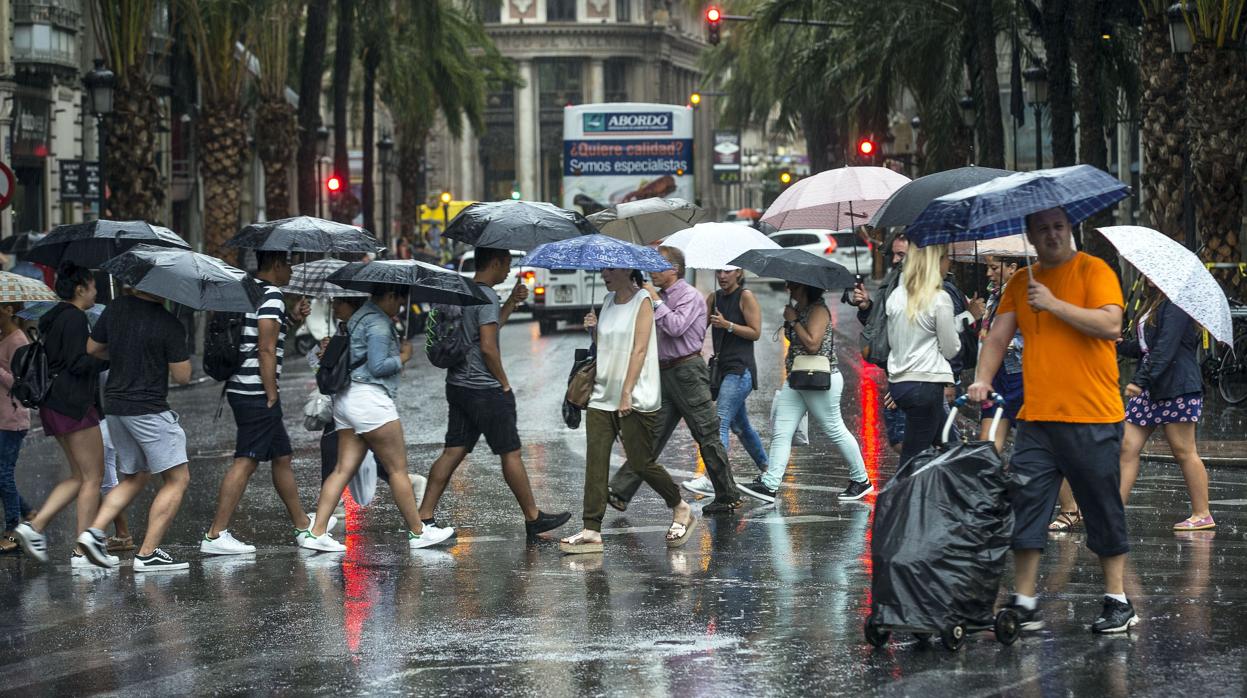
<point>647,220</point>
<point>980,250</point>
<point>15,288</point>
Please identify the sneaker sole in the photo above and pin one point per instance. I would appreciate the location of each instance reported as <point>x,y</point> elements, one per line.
<point>1134,620</point>
<point>757,495</point>
<point>420,544</point>
<point>209,551</point>
<point>175,567</point>
<point>28,547</point>
<point>1195,528</point>
<point>843,498</point>
<point>697,490</point>
<point>1032,626</point>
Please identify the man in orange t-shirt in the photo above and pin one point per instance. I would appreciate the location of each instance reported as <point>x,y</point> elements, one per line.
<point>1068,307</point>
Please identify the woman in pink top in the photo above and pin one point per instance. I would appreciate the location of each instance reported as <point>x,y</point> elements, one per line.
<point>14,422</point>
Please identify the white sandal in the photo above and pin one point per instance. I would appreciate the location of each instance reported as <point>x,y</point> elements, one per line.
<point>579,545</point>
<point>679,533</point>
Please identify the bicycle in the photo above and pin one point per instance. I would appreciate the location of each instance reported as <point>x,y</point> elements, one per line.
<point>1227,369</point>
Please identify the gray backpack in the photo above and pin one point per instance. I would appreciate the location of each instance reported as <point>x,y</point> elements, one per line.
<point>874,337</point>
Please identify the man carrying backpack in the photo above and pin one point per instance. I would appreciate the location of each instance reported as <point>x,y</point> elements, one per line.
<point>256,403</point>
<point>480,397</point>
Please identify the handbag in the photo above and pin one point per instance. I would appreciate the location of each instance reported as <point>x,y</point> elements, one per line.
<point>317,412</point>
<point>716,373</point>
<point>580,384</point>
<point>810,373</point>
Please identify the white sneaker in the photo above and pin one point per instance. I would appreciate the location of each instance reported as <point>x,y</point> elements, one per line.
<point>224,544</point>
<point>311,523</point>
<point>429,535</point>
<point>93,541</point>
<point>159,561</point>
<point>699,485</point>
<point>79,563</point>
<point>324,543</point>
<point>34,543</point>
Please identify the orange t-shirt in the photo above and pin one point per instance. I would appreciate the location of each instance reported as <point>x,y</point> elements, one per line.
<point>1066,375</point>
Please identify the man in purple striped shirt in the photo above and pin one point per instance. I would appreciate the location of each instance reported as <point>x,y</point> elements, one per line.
<point>680,316</point>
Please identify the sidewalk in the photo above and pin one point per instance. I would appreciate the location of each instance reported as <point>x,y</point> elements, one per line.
<point>1213,452</point>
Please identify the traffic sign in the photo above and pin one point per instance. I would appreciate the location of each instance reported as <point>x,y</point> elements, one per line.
<point>7,185</point>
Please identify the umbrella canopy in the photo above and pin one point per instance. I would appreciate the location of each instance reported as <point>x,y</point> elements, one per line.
<point>515,225</point>
<point>796,265</point>
<point>428,283</point>
<point>304,234</point>
<point>907,202</point>
<point>21,243</point>
<point>976,251</point>
<point>715,245</point>
<point>647,220</point>
<point>593,253</point>
<point>91,244</point>
<point>34,311</point>
<point>999,207</point>
<point>834,199</point>
<point>1178,273</point>
<point>310,279</point>
<point>189,278</point>
<point>15,288</point>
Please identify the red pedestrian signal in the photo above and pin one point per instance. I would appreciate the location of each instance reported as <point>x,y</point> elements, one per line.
<point>333,184</point>
<point>713,15</point>
<point>866,148</point>
<point>714,18</point>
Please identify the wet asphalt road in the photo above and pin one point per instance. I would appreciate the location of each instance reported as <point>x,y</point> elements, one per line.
<point>767,602</point>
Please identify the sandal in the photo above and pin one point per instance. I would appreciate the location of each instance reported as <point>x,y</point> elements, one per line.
<point>120,544</point>
<point>617,503</point>
<point>579,545</point>
<point>1065,521</point>
<point>679,533</point>
<point>9,544</point>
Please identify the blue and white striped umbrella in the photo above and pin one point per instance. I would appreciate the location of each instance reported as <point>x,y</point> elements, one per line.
<point>999,207</point>
<point>593,253</point>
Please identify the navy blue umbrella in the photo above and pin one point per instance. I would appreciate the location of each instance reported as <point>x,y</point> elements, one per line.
<point>593,253</point>
<point>999,207</point>
<point>907,202</point>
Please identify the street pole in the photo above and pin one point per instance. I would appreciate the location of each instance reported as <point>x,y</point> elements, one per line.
<point>101,131</point>
<point>1188,206</point>
<point>385,206</point>
<point>320,190</point>
<point>1038,136</point>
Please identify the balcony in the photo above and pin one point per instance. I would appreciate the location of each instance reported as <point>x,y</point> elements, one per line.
<point>45,33</point>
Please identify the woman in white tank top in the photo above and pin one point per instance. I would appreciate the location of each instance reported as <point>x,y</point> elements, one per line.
<point>626,399</point>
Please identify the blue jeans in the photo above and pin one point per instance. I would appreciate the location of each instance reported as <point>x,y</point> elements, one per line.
<point>15,508</point>
<point>925,410</point>
<point>734,418</point>
<point>824,409</point>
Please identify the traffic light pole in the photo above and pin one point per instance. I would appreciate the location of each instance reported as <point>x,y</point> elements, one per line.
<point>788,20</point>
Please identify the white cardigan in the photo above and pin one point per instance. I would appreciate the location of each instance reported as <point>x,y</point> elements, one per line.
<point>920,348</point>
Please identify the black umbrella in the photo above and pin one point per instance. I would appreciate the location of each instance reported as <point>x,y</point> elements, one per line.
<point>189,278</point>
<point>304,234</point>
<point>791,264</point>
<point>91,244</point>
<point>907,202</point>
<point>516,225</point>
<point>429,283</point>
<point>21,243</point>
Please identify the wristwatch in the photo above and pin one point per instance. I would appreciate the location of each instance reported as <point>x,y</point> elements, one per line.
<point>731,328</point>
<point>658,303</point>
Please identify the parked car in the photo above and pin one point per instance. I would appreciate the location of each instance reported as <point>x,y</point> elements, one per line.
<point>467,268</point>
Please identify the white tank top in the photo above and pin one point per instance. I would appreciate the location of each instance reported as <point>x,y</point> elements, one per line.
<point>616,331</point>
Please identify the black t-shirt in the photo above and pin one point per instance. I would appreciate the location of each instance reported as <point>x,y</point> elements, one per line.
<point>143,339</point>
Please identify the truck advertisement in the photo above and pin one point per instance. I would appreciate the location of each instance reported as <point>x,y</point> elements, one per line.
<point>618,152</point>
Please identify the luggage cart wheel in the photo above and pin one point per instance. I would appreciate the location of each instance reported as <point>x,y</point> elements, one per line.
<point>1008,626</point>
<point>953,637</point>
<point>875,635</point>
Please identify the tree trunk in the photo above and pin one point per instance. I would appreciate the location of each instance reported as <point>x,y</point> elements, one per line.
<point>312,73</point>
<point>277,129</point>
<point>344,206</point>
<point>1163,123</point>
<point>135,187</point>
<point>1218,100</point>
<point>1057,27</point>
<point>821,142</point>
<point>1092,146</point>
<point>222,139</point>
<point>990,123</point>
<point>410,149</point>
<point>372,63</point>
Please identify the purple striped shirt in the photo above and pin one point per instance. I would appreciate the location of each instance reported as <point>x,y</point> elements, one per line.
<point>681,321</point>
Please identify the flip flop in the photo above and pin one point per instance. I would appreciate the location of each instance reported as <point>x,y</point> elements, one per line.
<point>577,545</point>
<point>681,531</point>
<point>617,503</point>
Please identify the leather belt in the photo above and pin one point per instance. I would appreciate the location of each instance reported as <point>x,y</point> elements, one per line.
<point>664,365</point>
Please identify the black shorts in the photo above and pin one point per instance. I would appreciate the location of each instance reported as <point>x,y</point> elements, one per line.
<point>1086,455</point>
<point>261,433</point>
<point>481,411</point>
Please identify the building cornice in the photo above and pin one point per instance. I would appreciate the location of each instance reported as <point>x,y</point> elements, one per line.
<point>605,40</point>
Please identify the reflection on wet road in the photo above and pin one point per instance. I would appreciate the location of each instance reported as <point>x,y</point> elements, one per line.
<point>768,602</point>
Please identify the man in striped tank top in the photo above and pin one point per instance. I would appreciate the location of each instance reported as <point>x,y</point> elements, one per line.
<point>256,403</point>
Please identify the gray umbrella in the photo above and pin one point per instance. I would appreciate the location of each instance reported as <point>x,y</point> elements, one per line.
<point>647,220</point>
<point>516,225</point>
<point>428,283</point>
<point>304,234</point>
<point>192,279</point>
<point>93,243</point>
<point>907,202</point>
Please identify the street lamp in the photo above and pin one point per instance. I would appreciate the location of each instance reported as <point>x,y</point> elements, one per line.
<point>1037,94</point>
<point>1182,43</point>
<point>101,84</point>
<point>1180,40</point>
<point>445,198</point>
<point>385,153</point>
<point>322,151</point>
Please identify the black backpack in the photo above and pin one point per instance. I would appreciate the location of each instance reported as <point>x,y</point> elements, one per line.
<point>334,373</point>
<point>32,379</point>
<point>445,341</point>
<point>222,344</point>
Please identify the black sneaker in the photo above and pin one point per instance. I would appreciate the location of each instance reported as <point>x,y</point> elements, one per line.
<point>721,507</point>
<point>1117,617</point>
<point>545,522</point>
<point>158,561</point>
<point>757,490</point>
<point>1028,619</point>
<point>856,490</point>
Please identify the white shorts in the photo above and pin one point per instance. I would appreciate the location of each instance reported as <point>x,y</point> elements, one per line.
<point>363,407</point>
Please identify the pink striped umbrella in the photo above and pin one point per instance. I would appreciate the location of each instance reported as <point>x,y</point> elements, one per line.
<point>835,199</point>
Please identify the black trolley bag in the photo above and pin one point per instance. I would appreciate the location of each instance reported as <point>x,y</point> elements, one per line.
<point>940,543</point>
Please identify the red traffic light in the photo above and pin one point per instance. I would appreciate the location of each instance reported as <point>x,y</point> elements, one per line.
<point>334,183</point>
<point>713,14</point>
<point>866,147</point>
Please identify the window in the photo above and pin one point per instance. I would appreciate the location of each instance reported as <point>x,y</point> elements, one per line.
<point>616,79</point>
<point>560,10</point>
<point>490,11</point>
<point>560,82</point>
<point>623,10</point>
<point>790,240</point>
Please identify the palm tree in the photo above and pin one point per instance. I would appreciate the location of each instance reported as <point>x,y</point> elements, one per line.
<point>124,34</point>
<point>987,98</point>
<point>214,31</point>
<point>1218,100</point>
<point>377,16</point>
<point>276,123</point>
<point>344,205</point>
<point>311,75</point>
<point>1163,122</point>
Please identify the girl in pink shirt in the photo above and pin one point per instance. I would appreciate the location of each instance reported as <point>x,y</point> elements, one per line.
<point>14,422</point>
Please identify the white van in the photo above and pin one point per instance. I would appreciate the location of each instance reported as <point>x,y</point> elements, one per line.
<point>565,295</point>
<point>467,269</point>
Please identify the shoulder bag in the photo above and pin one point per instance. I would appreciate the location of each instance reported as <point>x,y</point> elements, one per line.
<point>810,373</point>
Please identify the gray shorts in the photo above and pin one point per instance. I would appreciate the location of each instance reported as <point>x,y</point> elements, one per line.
<point>150,443</point>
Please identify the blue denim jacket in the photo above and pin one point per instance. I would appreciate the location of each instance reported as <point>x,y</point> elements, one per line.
<point>375,342</point>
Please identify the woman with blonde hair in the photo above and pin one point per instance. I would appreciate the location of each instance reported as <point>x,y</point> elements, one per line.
<point>922,334</point>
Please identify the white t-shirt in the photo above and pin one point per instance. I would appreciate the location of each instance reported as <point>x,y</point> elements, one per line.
<point>616,332</point>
